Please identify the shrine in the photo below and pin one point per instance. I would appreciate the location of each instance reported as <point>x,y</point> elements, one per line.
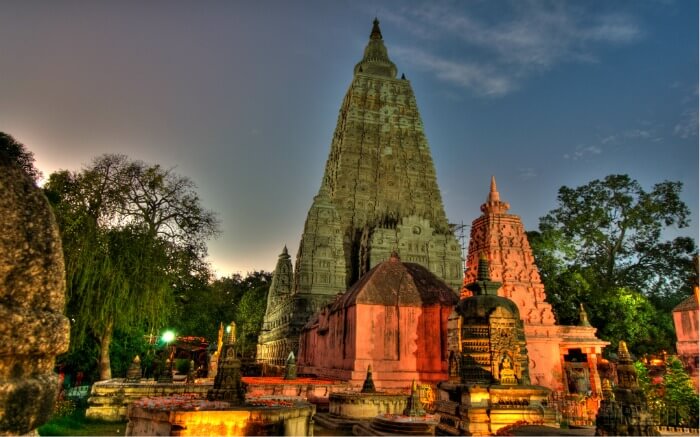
<point>562,358</point>
<point>489,386</point>
<point>394,320</point>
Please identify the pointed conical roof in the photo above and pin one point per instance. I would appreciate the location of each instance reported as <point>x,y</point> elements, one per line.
<point>493,204</point>
<point>376,59</point>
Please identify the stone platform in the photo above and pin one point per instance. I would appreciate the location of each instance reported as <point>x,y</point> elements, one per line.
<point>395,424</point>
<point>316,391</point>
<point>192,417</point>
<point>109,400</point>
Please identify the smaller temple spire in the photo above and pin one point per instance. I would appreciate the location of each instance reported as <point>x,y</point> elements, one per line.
<point>583,317</point>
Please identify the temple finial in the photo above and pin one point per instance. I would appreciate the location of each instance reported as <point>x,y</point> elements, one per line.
<point>493,204</point>
<point>493,192</point>
<point>376,32</point>
<point>285,251</point>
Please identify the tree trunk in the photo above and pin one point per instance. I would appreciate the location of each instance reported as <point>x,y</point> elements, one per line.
<point>105,341</point>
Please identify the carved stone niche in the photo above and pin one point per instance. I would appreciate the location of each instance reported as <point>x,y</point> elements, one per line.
<point>33,329</point>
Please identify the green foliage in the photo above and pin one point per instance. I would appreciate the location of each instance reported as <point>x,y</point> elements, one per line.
<point>679,393</point>
<point>602,247</point>
<point>201,308</point>
<point>132,234</point>
<point>75,424</point>
<point>15,153</point>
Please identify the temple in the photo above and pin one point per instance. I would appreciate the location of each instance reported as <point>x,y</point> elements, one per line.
<point>394,319</point>
<point>379,194</point>
<point>562,358</point>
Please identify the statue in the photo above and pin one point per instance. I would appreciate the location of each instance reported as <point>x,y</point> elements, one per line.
<point>290,371</point>
<point>507,374</point>
<point>190,373</point>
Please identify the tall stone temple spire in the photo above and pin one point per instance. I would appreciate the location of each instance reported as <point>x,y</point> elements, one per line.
<point>379,193</point>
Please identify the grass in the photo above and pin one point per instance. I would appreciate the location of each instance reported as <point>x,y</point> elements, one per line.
<point>76,424</point>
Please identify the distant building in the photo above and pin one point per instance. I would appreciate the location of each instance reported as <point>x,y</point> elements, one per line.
<point>685,320</point>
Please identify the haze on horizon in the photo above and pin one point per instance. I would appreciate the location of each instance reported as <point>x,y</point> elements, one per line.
<point>243,97</point>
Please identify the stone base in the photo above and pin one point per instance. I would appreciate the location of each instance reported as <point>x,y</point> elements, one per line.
<point>236,421</point>
<point>339,425</point>
<point>316,391</point>
<point>398,425</point>
<point>483,410</point>
<point>109,400</point>
<point>351,405</point>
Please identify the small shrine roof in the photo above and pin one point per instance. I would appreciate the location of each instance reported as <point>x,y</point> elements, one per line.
<point>689,303</point>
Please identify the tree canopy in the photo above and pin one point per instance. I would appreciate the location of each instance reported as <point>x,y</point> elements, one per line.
<point>132,232</point>
<point>15,153</point>
<point>603,247</point>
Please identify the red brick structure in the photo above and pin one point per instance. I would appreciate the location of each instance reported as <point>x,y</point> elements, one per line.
<point>563,358</point>
<point>685,321</point>
<point>394,318</point>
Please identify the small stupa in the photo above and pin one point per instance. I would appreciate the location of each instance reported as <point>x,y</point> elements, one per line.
<point>133,374</point>
<point>493,389</point>
<point>227,384</point>
<point>623,410</point>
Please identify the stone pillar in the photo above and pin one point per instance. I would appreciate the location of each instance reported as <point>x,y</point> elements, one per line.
<point>33,329</point>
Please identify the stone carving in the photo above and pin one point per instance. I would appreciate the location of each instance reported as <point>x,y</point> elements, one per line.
<point>379,193</point>
<point>33,329</point>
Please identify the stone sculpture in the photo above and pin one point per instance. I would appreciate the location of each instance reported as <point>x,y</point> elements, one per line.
<point>33,329</point>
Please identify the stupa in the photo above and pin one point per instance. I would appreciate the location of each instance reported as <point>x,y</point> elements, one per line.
<point>624,411</point>
<point>493,388</point>
<point>379,194</point>
<point>563,358</point>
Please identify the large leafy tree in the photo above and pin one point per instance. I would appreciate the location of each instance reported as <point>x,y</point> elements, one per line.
<point>603,246</point>
<point>132,234</point>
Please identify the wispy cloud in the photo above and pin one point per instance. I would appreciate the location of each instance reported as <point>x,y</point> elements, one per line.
<point>507,44</point>
<point>582,151</point>
<point>527,173</point>
<point>482,78</point>
<point>688,125</point>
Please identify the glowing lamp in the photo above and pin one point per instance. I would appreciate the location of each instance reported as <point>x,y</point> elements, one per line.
<point>168,336</point>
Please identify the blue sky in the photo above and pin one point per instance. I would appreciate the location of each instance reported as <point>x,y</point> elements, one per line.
<point>243,97</point>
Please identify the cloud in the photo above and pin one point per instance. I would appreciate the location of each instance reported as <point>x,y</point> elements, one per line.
<point>688,126</point>
<point>582,151</point>
<point>484,79</point>
<point>509,43</point>
<point>527,173</point>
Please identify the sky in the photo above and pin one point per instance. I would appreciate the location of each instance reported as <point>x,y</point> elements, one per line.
<point>243,97</point>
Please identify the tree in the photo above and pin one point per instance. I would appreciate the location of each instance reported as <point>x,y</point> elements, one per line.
<point>132,233</point>
<point>602,246</point>
<point>16,153</point>
<point>679,394</point>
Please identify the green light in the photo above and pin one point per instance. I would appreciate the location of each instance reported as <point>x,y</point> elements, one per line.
<point>228,329</point>
<point>168,336</point>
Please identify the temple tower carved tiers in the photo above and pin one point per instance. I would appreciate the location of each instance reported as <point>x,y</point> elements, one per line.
<point>379,194</point>
<point>563,358</point>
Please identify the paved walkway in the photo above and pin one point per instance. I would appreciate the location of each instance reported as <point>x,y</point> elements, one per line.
<point>549,431</point>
